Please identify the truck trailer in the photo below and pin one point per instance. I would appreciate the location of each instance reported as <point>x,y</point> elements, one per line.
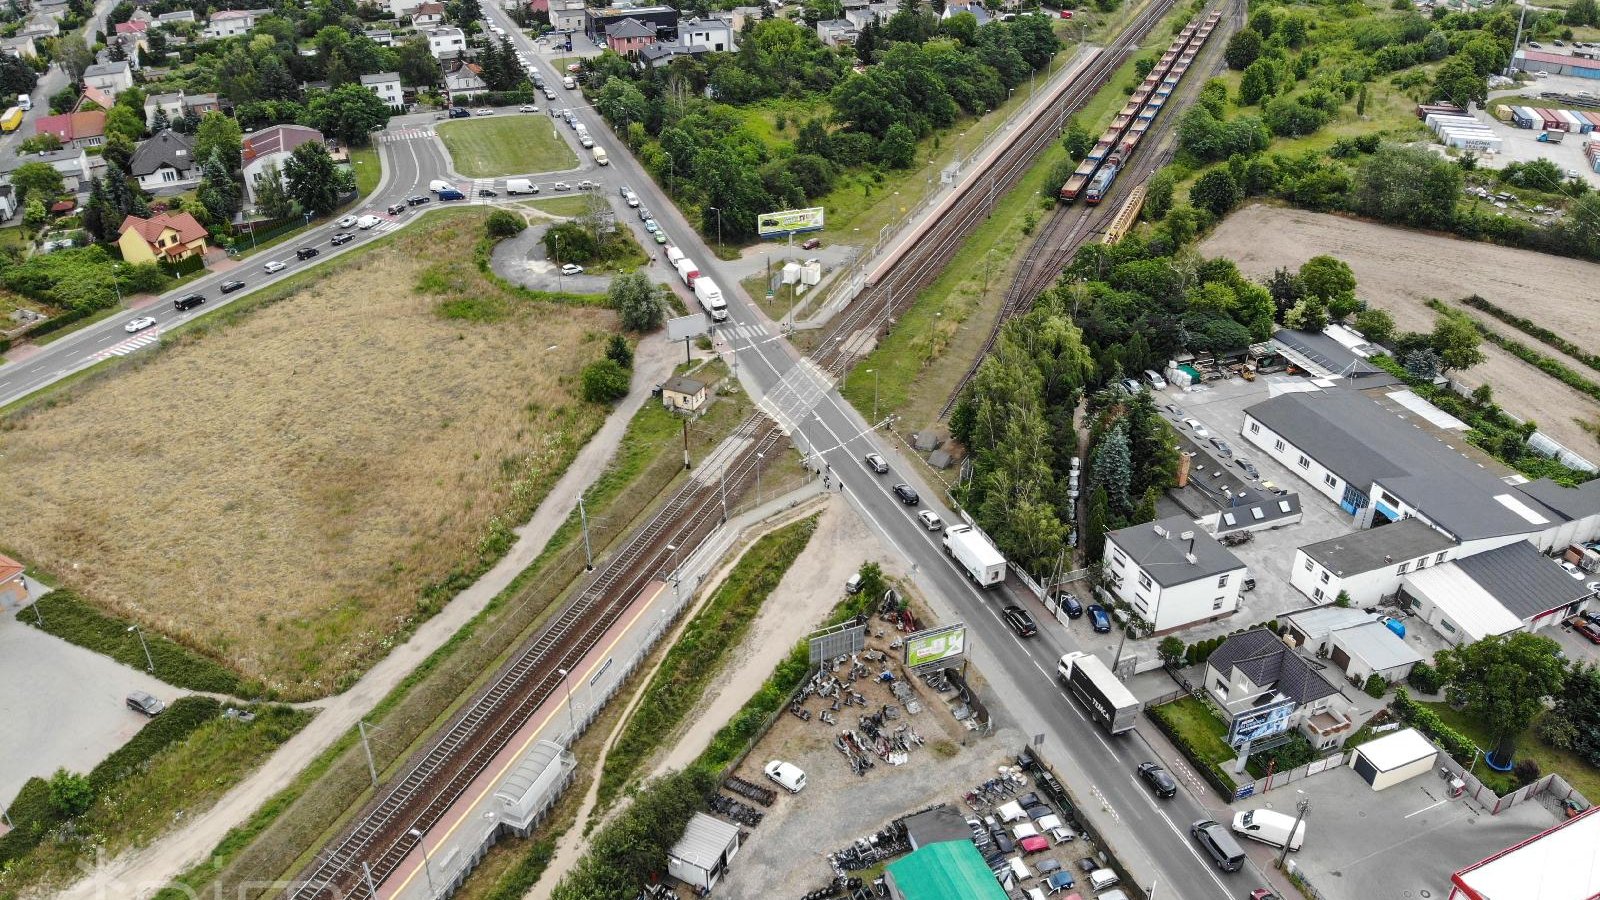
<point>982,562</point>
<point>686,270</point>
<point>1108,700</point>
<point>710,297</point>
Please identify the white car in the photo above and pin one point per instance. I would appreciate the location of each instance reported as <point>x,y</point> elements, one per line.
<point>139,324</point>
<point>346,222</point>
<point>930,519</point>
<point>562,186</point>
<point>787,775</point>
<point>1572,570</point>
<point>274,266</point>
<point>527,107</point>
<point>570,269</point>
<point>366,222</point>
<point>1198,429</point>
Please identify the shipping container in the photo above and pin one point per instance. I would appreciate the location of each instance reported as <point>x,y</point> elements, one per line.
<point>1552,122</point>
<point>1520,116</point>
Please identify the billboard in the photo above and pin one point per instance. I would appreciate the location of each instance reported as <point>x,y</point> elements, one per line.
<point>789,221</point>
<point>935,644</point>
<point>1262,722</point>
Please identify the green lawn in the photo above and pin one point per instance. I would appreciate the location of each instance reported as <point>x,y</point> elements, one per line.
<point>569,207</point>
<point>1206,733</point>
<point>1578,773</point>
<point>365,163</point>
<point>505,145</point>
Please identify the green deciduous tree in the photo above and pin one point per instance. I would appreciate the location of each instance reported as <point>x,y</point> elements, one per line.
<point>504,223</point>
<point>604,381</point>
<point>1260,82</point>
<point>1455,338</point>
<point>71,795</point>
<point>219,133</point>
<point>1216,191</point>
<point>1158,194</point>
<point>39,180</point>
<point>315,180</point>
<point>1243,49</point>
<point>1330,280</point>
<point>1408,185</point>
<point>349,112</point>
<point>272,198</point>
<point>638,305</point>
<point>1375,324</point>
<point>1501,680</point>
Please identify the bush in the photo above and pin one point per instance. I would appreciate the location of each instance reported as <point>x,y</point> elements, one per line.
<point>619,351</point>
<point>181,719</point>
<point>1425,679</point>
<point>1428,722</point>
<point>70,794</point>
<point>1376,685</point>
<point>627,852</point>
<point>504,224</point>
<point>604,381</point>
<point>1526,771</point>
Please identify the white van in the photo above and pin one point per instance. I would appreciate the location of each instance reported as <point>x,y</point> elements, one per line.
<point>1100,879</point>
<point>439,184</point>
<point>521,186</point>
<point>24,102</point>
<point>1269,827</point>
<point>568,82</point>
<point>787,775</point>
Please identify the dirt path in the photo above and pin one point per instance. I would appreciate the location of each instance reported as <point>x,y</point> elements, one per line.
<point>142,872</point>
<point>1399,270</point>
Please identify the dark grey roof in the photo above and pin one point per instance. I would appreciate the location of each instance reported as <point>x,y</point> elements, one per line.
<point>681,385</point>
<point>106,68</point>
<point>380,78</point>
<point>1363,443</point>
<point>663,49</point>
<point>630,28</point>
<point>1161,554</point>
<point>1332,357</point>
<point>1571,503</point>
<point>1525,581</point>
<point>1257,511</point>
<point>942,823</point>
<point>1374,548</point>
<point>167,148</point>
<point>1267,661</point>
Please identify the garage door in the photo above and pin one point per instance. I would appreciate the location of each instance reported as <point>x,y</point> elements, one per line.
<point>1365,769</point>
<point>1341,659</point>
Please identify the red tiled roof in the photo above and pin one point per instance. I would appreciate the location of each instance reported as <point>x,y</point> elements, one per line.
<point>68,127</point>
<point>150,229</point>
<point>132,27</point>
<point>436,9</point>
<point>277,139</point>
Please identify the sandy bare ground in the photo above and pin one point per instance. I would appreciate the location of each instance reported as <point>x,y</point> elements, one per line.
<point>278,492</point>
<point>1399,270</point>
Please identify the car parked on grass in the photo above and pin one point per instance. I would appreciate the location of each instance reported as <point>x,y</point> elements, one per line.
<point>141,702</point>
<point>907,494</point>
<point>139,324</point>
<point>1099,618</point>
<point>930,519</point>
<point>876,463</point>
<point>1158,779</point>
<point>1020,622</point>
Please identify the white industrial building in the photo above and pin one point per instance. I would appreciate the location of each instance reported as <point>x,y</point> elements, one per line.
<point>1510,588</point>
<point>1565,857</point>
<point>701,856</point>
<point>1354,641</point>
<point>1368,565</point>
<point>1386,761</point>
<point>1172,573</point>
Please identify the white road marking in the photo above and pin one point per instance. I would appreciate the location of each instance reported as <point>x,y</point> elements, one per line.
<point>1426,808</point>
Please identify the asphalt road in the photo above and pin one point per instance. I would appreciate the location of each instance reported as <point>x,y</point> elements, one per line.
<point>1151,835</point>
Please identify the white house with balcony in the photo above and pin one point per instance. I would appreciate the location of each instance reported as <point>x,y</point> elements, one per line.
<point>1172,573</point>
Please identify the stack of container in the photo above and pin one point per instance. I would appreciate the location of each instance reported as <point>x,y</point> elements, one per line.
<point>1591,152</point>
<point>1573,120</point>
<point>1463,132</point>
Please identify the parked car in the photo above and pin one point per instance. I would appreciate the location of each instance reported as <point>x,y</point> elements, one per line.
<point>907,494</point>
<point>138,324</point>
<point>1572,570</point>
<point>1158,779</point>
<point>1263,894</point>
<point>1248,467</point>
<point>274,266</point>
<point>876,463</point>
<point>189,302</point>
<point>811,244</point>
<point>1069,602</point>
<point>571,269</point>
<point>1198,429</point>
<point>787,775</point>
<point>141,702</point>
<point>930,520</point>
<point>660,237</point>
<point>346,222</point>
<point>1019,621</point>
<point>485,112</point>
<point>1222,447</point>
<point>229,287</point>
<point>1099,618</point>
<point>343,237</point>
<point>1589,630</point>
<point>527,107</point>
<point>1176,410</point>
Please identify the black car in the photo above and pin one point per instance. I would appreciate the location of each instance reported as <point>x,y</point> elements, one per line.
<point>1069,602</point>
<point>1222,447</point>
<point>417,200</point>
<point>1020,621</point>
<point>397,209</point>
<point>343,237</point>
<point>189,302</point>
<point>1158,779</point>
<point>485,192</point>
<point>1100,618</point>
<point>229,287</point>
<point>907,494</point>
<point>306,252</point>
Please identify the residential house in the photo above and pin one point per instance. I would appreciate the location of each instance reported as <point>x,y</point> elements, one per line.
<point>135,26</point>
<point>428,15</point>
<point>664,19</point>
<point>975,9</point>
<point>1368,566</point>
<point>447,43</point>
<point>72,163</point>
<point>463,83</point>
<point>111,77</point>
<point>388,88</point>
<point>21,46</point>
<point>1353,640</point>
<point>711,33</point>
<point>171,104</point>
<point>1172,573</point>
<point>628,37</point>
<point>1500,591</point>
<point>661,52</point>
<point>401,9</point>
<point>131,47</point>
<point>861,15</point>
<point>166,163</point>
<point>536,6</point>
<point>270,147</point>
<point>94,95</point>
<point>567,15</point>
<point>13,584</point>
<point>40,26</point>
<point>837,32</point>
<point>8,202</point>
<point>683,394</point>
<point>55,9</point>
<point>169,19</point>
<point>739,15</point>
<point>198,105</point>
<point>74,129</point>
<point>1263,689</point>
<point>383,37</point>
<point>232,22</point>
<point>164,237</point>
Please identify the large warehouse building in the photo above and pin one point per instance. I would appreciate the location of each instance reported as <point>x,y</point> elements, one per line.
<point>1556,63</point>
<point>1562,863</point>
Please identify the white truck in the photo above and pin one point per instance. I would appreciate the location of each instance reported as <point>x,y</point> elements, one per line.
<point>686,270</point>
<point>982,562</point>
<point>1269,827</point>
<point>711,301</point>
<point>521,186</point>
<point>1108,700</point>
<point>673,255</point>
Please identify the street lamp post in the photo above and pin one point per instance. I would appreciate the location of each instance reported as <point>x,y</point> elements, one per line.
<point>718,211</point>
<point>555,248</point>
<point>874,373</point>
<point>150,664</point>
<point>572,719</point>
<point>427,868</point>
<point>759,458</point>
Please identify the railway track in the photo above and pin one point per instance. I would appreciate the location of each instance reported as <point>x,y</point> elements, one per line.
<point>1070,226</point>
<point>382,834</point>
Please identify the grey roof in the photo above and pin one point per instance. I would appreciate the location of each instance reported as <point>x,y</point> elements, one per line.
<point>1572,503</point>
<point>705,839</point>
<point>74,154</point>
<point>1266,660</point>
<point>1525,581</point>
<point>1318,622</point>
<point>106,68</point>
<point>630,28</point>
<point>942,823</point>
<point>1256,511</point>
<point>165,149</point>
<point>1331,357</point>
<point>380,78</point>
<point>681,385</point>
<point>1161,554</point>
<point>1364,443</point>
<point>1375,548</point>
<point>1379,647</point>
<point>663,49</point>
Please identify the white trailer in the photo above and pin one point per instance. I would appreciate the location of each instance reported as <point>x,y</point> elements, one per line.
<point>983,563</point>
<point>710,297</point>
<point>673,255</point>
<point>686,270</point>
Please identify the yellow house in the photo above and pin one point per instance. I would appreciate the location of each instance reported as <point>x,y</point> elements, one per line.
<point>168,237</point>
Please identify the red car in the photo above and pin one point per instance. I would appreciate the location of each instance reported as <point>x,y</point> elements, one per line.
<point>1589,630</point>
<point>1262,894</point>
<point>1066,14</point>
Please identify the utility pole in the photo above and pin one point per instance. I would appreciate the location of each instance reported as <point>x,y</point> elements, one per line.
<point>588,556</point>
<point>150,664</point>
<point>1300,807</point>
<point>372,769</point>
<point>686,444</point>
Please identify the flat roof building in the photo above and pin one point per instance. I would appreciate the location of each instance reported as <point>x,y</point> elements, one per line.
<point>1368,566</point>
<point>1510,588</point>
<point>1561,863</point>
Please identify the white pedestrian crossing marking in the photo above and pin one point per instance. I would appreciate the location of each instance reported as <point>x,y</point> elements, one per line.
<point>136,342</point>
<point>405,134</point>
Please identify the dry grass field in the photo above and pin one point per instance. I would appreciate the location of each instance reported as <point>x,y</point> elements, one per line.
<point>281,493</point>
<point>1399,270</point>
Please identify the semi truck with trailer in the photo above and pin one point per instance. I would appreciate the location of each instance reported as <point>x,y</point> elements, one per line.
<point>1108,701</point>
<point>710,297</point>
<point>982,562</point>
<point>686,270</point>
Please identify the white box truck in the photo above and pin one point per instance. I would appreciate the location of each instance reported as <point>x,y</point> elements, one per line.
<point>711,301</point>
<point>1269,827</point>
<point>1108,700</point>
<point>674,254</point>
<point>521,186</point>
<point>982,562</point>
<point>686,270</point>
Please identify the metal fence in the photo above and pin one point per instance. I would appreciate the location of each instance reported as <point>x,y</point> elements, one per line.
<point>1299,773</point>
<point>1551,784</point>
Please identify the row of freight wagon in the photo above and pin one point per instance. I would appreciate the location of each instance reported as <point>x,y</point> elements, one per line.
<point>1098,171</point>
<point>1573,121</point>
<point>705,290</point>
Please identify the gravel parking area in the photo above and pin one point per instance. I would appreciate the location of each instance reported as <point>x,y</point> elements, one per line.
<point>522,260</point>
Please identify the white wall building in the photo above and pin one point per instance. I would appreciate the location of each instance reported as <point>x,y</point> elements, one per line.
<point>713,34</point>
<point>111,78</point>
<point>1507,589</point>
<point>388,88</point>
<point>1172,573</point>
<point>232,22</point>
<point>447,43</point>
<point>1368,565</point>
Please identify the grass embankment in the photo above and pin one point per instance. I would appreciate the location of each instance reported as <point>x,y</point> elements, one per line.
<point>699,654</point>
<point>567,207</point>
<point>277,839</point>
<point>175,767</point>
<point>505,145</point>
<point>389,450</point>
<point>1569,765</point>
<point>364,162</point>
